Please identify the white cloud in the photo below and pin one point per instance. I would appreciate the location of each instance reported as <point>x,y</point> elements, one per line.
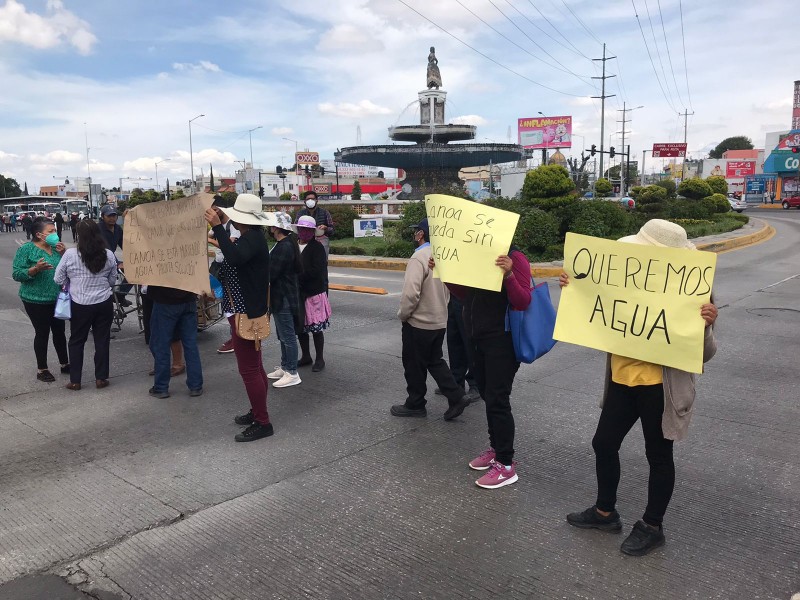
<point>58,157</point>
<point>364,108</point>
<point>199,67</point>
<point>282,131</point>
<point>59,26</point>
<point>469,120</point>
<point>103,167</point>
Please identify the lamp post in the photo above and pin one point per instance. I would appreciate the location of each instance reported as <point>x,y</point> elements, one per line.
<point>623,166</point>
<point>191,152</point>
<point>296,166</point>
<point>250,133</point>
<point>156,165</point>
<point>642,173</point>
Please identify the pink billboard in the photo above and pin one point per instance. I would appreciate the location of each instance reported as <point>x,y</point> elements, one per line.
<point>736,169</point>
<point>545,132</point>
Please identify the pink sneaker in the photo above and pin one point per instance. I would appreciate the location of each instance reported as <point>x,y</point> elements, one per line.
<point>484,461</point>
<point>498,476</point>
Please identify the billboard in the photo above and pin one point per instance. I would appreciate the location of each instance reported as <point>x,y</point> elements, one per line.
<point>545,132</point>
<point>669,150</point>
<point>306,158</point>
<point>368,227</point>
<point>740,168</point>
<point>322,188</point>
<point>349,170</point>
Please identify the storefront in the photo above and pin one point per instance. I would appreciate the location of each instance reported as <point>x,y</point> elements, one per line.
<point>783,164</point>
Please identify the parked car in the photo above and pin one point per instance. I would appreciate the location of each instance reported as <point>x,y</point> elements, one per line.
<point>737,204</point>
<point>589,195</point>
<point>791,202</point>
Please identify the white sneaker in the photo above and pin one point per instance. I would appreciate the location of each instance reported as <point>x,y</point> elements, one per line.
<point>287,380</point>
<point>276,374</point>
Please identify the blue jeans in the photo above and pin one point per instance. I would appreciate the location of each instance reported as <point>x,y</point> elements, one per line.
<point>165,322</point>
<point>284,327</point>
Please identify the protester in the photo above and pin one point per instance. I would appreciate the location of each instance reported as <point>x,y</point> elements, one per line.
<point>313,281</point>
<point>423,313</point>
<point>27,224</point>
<point>59,221</point>
<point>113,235</point>
<point>285,266</point>
<point>6,221</point>
<point>73,224</point>
<point>495,362</point>
<point>459,353</point>
<point>219,257</point>
<point>245,277</point>
<point>662,397</point>
<point>178,366</point>
<point>14,221</point>
<point>322,217</point>
<point>34,266</point>
<point>90,270</point>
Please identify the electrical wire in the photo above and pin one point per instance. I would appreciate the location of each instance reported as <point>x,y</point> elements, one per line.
<point>487,57</point>
<point>658,52</point>
<point>555,28</point>
<point>581,23</point>
<point>669,54</point>
<point>650,56</point>
<point>532,22</point>
<point>685,64</point>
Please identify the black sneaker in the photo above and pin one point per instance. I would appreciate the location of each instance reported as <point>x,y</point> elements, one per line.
<point>45,376</point>
<point>643,539</point>
<point>591,519</point>
<point>256,431</point>
<point>401,410</point>
<point>65,369</point>
<point>123,301</point>
<point>156,394</point>
<point>473,395</point>
<point>195,393</point>
<point>319,365</point>
<point>247,419</point>
<point>456,409</point>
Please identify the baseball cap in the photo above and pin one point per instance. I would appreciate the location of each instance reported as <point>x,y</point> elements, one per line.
<point>108,210</point>
<point>421,226</point>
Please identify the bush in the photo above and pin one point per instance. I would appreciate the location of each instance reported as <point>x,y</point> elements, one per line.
<point>401,249</point>
<point>694,189</point>
<point>536,231</point>
<point>599,218</point>
<point>651,194</point>
<point>343,216</point>
<point>413,213</point>
<point>509,204</point>
<point>686,209</point>
<point>551,203</point>
<point>718,184</point>
<point>547,181</point>
<point>668,185</point>
<point>717,203</point>
<point>602,187</point>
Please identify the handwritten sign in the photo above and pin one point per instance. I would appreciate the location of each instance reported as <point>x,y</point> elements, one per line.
<point>165,243</point>
<point>638,301</point>
<point>466,239</point>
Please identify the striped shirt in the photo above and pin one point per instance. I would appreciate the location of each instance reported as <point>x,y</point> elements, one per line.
<point>86,287</point>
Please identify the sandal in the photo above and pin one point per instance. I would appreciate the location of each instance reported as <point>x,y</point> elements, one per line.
<point>45,376</point>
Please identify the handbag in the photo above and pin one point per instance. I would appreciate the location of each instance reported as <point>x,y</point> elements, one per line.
<point>251,329</point>
<point>63,309</point>
<point>532,329</point>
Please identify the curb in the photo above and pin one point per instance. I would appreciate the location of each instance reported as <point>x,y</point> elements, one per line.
<point>368,263</point>
<point>338,287</point>
<point>763,234</point>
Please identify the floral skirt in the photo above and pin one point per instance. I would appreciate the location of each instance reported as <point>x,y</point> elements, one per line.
<point>318,313</point>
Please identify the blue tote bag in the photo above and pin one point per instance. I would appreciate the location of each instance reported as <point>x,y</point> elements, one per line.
<point>532,329</point>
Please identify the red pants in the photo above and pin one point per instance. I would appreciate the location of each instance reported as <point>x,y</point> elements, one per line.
<point>253,375</point>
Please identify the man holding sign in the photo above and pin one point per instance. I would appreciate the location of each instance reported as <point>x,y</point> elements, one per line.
<point>650,307</point>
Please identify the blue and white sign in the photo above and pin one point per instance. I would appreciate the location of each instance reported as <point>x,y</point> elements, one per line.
<point>368,227</point>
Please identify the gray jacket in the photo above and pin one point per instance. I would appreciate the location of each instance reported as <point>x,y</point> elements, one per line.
<point>678,392</point>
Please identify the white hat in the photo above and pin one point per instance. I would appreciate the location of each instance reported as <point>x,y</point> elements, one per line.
<point>658,232</point>
<point>281,220</point>
<point>246,210</point>
<point>306,221</point>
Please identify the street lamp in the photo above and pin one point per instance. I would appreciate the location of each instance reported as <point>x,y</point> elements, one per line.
<point>191,153</point>
<point>296,166</point>
<point>158,163</point>
<point>250,133</point>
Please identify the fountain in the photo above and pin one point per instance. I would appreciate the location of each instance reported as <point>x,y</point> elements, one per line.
<point>431,163</point>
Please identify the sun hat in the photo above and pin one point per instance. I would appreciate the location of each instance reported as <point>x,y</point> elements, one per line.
<point>281,220</point>
<point>658,232</point>
<point>246,210</point>
<point>306,221</point>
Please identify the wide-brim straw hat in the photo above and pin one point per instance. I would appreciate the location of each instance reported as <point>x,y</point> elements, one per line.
<point>246,210</point>
<point>281,220</point>
<point>661,233</point>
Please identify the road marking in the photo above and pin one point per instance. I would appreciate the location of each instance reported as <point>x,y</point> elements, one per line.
<point>346,276</point>
<point>779,282</point>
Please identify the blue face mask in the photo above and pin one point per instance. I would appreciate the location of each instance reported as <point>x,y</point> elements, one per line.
<point>52,239</point>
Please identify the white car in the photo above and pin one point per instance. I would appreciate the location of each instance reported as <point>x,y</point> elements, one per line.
<point>738,205</point>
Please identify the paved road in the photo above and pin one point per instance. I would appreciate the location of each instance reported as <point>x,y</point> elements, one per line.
<point>132,497</point>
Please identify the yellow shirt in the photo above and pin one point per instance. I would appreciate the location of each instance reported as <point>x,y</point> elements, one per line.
<point>631,372</point>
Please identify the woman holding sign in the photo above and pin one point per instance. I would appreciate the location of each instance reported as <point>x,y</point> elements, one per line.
<point>662,397</point>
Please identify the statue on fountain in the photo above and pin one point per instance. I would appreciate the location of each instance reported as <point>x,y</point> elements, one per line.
<point>434,77</point>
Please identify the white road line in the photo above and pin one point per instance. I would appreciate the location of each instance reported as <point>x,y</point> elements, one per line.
<point>779,282</point>
<point>346,276</point>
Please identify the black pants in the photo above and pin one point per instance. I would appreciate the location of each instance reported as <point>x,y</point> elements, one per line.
<point>422,354</point>
<point>459,351</point>
<point>623,407</point>
<point>96,317</point>
<point>43,321</point>
<point>495,367</point>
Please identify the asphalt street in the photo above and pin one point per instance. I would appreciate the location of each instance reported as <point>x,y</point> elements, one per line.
<point>118,495</point>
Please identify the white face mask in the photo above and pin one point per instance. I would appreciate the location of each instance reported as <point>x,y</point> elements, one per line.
<point>311,203</point>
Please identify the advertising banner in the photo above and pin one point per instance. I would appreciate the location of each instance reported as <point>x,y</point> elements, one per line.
<point>669,150</point>
<point>306,158</point>
<point>166,244</point>
<point>545,132</point>
<point>368,227</point>
<point>322,188</point>
<point>466,239</point>
<point>737,169</point>
<point>637,301</point>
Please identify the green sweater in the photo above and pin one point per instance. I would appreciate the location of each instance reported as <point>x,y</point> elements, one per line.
<point>39,289</point>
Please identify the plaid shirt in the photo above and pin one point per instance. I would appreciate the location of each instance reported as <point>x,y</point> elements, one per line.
<point>321,216</point>
<point>283,263</point>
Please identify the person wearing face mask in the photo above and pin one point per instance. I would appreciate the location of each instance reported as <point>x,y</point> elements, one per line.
<point>34,266</point>
<point>321,217</point>
<point>313,299</point>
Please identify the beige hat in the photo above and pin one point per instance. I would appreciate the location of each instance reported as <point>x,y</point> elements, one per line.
<point>658,232</point>
<point>246,210</point>
<point>281,220</point>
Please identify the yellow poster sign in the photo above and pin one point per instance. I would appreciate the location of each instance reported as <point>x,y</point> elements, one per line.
<point>638,301</point>
<point>165,243</point>
<point>466,239</point>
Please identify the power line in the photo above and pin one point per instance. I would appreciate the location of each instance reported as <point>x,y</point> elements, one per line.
<point>658,51</point>
<point>650,56</point>
<point>532,22</point>
<point>669,54</point>
<point>582,24</point>
<point>685,64</point>
<point>489,58</point>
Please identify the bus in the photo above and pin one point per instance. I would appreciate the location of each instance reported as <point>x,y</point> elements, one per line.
<point>10,209</point>
<point>45,209</point>
<point>76,207</point>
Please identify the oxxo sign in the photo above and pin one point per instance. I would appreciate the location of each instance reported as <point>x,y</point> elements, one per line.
<point>307,158</point>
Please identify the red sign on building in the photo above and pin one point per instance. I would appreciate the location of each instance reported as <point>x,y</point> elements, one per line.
<point>322,188</point>
<point>737,169</point>
<point>669,150</point>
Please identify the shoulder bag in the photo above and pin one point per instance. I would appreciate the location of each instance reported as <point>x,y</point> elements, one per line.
<point>63,309</point>
<point>251,329</point>
<point>532,329</point>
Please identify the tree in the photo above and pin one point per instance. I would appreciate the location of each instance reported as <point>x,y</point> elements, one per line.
<point>178,194</point>
<point>694,188</point>
<point>602,187</point>
<point>718,184</point>
<point>737,142</point>
<point>26,189</point>
<point>668,185</point>
<point>211,185</point>
<point>9,188</point>
<point>613,174</point>
<point>356,193</point>
<point>578,173</point>
<point>547,181</point>
<point>228,199</point>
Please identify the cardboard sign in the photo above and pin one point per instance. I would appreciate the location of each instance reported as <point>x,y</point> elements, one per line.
<point>466,239</point>
<point>165,244</point>
<point>638,301</point>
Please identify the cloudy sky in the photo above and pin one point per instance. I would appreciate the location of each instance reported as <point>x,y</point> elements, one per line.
<point>129,75</point>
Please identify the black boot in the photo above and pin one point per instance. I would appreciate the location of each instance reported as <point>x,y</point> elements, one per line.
<point>305,359</point>
<point>319,347</point>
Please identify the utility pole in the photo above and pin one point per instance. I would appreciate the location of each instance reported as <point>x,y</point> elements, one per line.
<point>642,172</point>
<point>685,116</point>
<point>602,98</point>
<point>622,165</point>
